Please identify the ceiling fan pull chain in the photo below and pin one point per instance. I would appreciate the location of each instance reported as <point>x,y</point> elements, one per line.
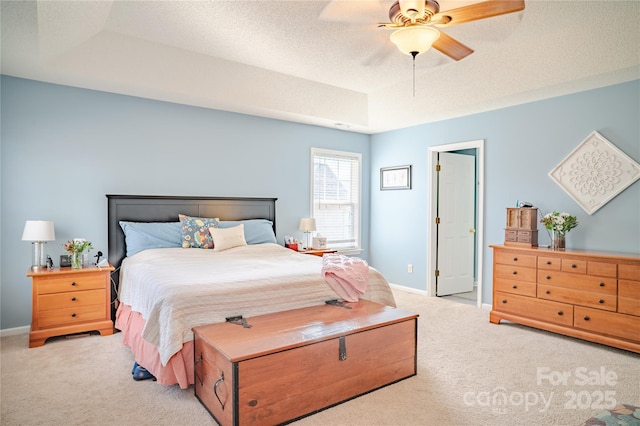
<point>414,54</point>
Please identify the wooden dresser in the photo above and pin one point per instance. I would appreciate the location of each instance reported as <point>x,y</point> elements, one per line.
<point>589,295</point>
<point>67,301</point>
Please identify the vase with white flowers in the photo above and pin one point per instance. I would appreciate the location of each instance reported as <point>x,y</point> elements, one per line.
<point>559,224</point>
<point>76,247</point>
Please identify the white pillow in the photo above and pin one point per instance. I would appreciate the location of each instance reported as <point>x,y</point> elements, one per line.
<point>226,238</point>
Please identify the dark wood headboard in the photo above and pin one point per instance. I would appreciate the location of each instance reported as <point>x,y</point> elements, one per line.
<point>151,208</point>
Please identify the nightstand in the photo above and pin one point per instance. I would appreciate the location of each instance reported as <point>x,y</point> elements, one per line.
<point>66,301</point>
<point>318,252</point>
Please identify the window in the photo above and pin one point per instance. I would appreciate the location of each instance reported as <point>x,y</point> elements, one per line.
<point>335,197</point>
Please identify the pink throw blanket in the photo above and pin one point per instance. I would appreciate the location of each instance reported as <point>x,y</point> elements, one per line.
<point>347,276</point>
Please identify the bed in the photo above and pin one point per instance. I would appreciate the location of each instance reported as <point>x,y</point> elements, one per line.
<point>163,290</point>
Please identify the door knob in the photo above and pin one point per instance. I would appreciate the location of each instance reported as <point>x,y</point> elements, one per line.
<point>472,230</point>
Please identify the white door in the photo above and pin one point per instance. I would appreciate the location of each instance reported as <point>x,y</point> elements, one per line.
<point>456,210</point>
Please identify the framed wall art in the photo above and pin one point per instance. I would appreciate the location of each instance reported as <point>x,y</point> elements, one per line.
<point>595,172</point>
<point>398,177</point>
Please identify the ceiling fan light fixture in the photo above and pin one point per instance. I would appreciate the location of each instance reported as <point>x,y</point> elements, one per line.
<point>414,40</point>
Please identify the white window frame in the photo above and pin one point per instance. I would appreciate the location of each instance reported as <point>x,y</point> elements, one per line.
<point>319,152</point>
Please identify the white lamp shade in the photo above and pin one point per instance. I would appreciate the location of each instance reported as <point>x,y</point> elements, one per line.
<point>38,230</point>
<point>307,224</point>
<point>415,39</point>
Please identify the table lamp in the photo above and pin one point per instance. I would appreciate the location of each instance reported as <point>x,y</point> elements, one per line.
<point>307,225</point>
<point>39,232</point>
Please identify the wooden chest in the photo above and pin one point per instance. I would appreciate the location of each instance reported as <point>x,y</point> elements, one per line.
<point>291,364</point>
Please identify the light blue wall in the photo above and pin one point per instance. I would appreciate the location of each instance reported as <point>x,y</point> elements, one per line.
<point>522,144</point>
<point>64,148</point>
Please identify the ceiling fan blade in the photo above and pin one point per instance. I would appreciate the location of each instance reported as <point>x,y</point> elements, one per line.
<point>451,47</point>
<point>474,12</point>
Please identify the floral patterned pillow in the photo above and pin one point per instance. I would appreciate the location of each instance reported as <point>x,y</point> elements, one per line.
<point>195,231</point>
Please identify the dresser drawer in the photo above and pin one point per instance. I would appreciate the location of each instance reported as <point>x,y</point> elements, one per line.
<point>71,282</point>
<point>517,273</point>
<point>71,299</point>
<point>609,323</point>
<point>515,287</point>
<point>602,269</point>
<point>575,266</point>
<point>518,259</point>
<point>578,297</point>
<point>629,297</point>
<point>578,282</point>
<point>549,263</point>
<point>629,272</point>
<point>68,316</point>
<point>543,310</point>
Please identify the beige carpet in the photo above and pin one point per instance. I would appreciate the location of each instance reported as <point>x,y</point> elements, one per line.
<point>470,372</point>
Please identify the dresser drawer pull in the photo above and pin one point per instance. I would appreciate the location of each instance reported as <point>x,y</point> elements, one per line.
<point>73,315</point>
<point>73,283</point>
<point>73,299</point>
<point>574,266</point>
<point>548,277</point>
<point>600,301</point>
<point>601,284</point>
<point>515,259</point>
<point>504,300</point>
<point>586,318</point>
<point>560,313</point>
<point>548,292</point>
<point>515,272</point>
<point>548,262</point>
<point>514,286</point>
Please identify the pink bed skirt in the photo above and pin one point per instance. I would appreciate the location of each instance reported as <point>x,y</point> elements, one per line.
<point>179,369</point>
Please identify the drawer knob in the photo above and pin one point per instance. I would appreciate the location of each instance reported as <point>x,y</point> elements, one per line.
<point>73,315</point>
<point>73,283</point>
<point>601,284</point>
<point>504,300</point>
<point>560,313</point>
<point>514,286</point>
<point>515,272</point>
<point>515,259</point>
<point>586,318</point>
<point>548,277</point>
<point>600,301</point>
<point>574,266</point>
<point>548,292</point>
<point>548,262</point>
<point>73,299</point>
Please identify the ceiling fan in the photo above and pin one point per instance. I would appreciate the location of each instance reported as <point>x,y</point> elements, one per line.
<point>414,22</point>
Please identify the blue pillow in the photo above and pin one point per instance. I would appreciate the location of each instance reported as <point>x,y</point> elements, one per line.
<point>256,231</point>
<point>140,236</point>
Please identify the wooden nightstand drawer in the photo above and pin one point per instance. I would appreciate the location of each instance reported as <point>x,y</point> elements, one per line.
<point>578,282</point>
<point>577,297</point>
<point>76,282</point>
<point>609,323</point>
<point>67,316</point>
<point>63,300</point>
<point>515,287</point>
<point>544,310</point>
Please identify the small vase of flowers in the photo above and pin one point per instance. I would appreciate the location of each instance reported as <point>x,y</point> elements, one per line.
<point>75,248</point>
<point>559,224</point>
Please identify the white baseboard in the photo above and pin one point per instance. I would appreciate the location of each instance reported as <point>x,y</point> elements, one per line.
<point>486,306</point>
<point>15,331</point>
<point>409,289</point>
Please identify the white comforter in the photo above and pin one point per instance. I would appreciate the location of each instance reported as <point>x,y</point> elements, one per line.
<point>176,289</point>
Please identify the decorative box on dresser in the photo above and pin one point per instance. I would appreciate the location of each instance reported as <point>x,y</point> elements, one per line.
<point>521,227</point>
<point>66,301</point>
<point>589,295</point>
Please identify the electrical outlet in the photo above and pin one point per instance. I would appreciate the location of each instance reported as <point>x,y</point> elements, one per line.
<point>410,268</point>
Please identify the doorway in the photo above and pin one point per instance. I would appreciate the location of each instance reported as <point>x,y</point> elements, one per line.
<point>454,243</point>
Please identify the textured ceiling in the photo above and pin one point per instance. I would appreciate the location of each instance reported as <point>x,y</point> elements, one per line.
<point>318,62</point>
